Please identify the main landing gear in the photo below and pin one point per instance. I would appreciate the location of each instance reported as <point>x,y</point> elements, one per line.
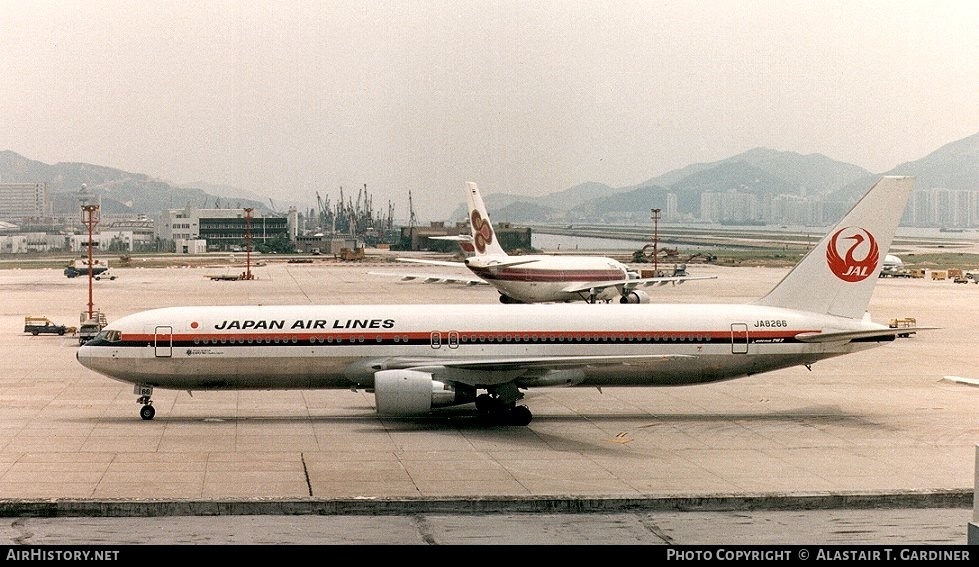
<point>494,409</point>
<point>144,392</point>
<point>592,297</point>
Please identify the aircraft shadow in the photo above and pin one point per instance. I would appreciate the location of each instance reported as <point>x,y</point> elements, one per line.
<point>452,421</point>
<point>469,419</point>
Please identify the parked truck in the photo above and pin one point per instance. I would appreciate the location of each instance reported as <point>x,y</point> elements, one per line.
<point>906,324</point>
<point>77,268</point>
<point>43,325</point>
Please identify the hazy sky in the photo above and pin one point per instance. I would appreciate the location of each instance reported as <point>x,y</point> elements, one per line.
<point>286,98</point>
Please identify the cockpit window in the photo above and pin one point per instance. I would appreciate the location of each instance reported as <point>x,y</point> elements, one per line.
<point>109,336</point>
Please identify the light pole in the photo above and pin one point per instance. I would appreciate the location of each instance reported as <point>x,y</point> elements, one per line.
<point>90,218</point>
<point>248,243</point>
<point>655,217</point>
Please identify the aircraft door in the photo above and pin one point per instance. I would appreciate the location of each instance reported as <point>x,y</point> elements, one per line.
<point>163,342</point>
<point>453,339</point>
<point>436,339</point>
<point>739,338</point>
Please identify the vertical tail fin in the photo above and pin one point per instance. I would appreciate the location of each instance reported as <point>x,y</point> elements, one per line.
<point>838,276</point>
<point>484,238</point>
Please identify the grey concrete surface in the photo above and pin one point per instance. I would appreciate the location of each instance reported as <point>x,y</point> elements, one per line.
<point>880,424</point>
<point>834,527</point>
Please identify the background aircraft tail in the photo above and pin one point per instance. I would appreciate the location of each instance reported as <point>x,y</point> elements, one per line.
<point>484,238</point>
<point>838,275</point>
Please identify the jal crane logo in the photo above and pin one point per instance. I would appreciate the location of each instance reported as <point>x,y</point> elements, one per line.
<point>858,260</point>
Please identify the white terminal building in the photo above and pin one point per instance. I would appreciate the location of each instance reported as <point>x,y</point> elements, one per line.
<point>24,201</point>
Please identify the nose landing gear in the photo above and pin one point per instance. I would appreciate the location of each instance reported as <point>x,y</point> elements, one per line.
<point>146,412</point>
<point>144,392</point>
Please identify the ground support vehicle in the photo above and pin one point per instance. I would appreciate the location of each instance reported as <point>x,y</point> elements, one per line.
<point>43,325</point>
<point>90,326</point>
<point>904,323</point>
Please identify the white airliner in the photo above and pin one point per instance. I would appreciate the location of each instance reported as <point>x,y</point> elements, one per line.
<point>539,278</point>
<point>418,357</point>
<point>892,262</point>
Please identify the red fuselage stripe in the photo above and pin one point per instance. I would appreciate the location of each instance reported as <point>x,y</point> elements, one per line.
<point>499,335</point>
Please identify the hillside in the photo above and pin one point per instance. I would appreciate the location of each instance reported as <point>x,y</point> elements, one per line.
<point>121,192</point>
<point>761,172</point>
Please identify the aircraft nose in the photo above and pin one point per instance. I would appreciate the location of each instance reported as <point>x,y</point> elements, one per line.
<point>82,356</point>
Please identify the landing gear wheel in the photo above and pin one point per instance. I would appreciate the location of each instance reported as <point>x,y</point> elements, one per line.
<point>147,412</point>
<point>520,415</point>
<point>497,413</point>
<point>485,404</point>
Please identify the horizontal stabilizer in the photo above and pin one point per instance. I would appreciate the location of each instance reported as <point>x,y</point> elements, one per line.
<point>508,262</point>
<point>963,380</point>
<point>835,336</point>
<point>453,238</point>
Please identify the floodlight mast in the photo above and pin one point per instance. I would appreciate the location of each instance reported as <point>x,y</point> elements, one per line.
<point>90,218</point>
<point>655,216</point>
<point>248,243</point>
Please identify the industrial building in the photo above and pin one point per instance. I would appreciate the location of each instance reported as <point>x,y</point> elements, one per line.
<point>512,239</point>
<point>331,230</point>
<point>224,229</point>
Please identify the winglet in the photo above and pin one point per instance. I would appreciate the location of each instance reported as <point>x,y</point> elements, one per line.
<point>838,276</point>
<point>484,238</point>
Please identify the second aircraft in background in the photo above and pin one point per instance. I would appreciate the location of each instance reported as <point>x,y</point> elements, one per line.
<point>540,278</point>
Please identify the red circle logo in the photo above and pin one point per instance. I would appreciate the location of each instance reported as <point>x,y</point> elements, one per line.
<point>852,254</point>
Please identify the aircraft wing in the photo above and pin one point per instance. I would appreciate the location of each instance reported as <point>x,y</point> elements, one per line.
<point>517,362</point>
<point>632,283</point>
<point>501,370</point>
<point>433,262</point>
<point>645,282</point>
<point>434,278</point>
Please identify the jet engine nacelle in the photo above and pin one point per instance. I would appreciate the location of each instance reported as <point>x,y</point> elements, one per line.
<point>410,392</point>
<point>635,296</point>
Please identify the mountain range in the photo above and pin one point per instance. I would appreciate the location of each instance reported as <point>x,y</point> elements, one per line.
<point>760,171</point>
<point>121,192</point>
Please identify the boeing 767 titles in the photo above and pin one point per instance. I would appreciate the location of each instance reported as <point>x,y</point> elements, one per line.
<point>417,358</point>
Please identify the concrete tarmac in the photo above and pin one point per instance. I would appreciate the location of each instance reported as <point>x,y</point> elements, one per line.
<point>879,429</point>
<point>892,527</point>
